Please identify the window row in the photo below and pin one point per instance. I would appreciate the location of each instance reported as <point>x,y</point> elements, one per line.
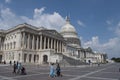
<point>10,56</point>
<point>13,36</point>
<point>11,45</point>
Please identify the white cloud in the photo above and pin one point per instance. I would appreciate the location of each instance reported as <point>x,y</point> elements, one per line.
<point>53,21</point>
<point>8,19</point>
<point>7,1</point>
<point>111,47</point>
<point>117,30</point>
<point>80,23</point>
<point>93,43</point>
<point>112,26</point>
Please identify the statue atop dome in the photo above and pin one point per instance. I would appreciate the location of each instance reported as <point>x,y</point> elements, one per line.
<point>67,19</point>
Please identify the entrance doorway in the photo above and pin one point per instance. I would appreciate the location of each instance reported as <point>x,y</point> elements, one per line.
<point>45,59</point>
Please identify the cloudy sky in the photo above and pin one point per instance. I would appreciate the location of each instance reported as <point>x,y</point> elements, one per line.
<point>97,22</point>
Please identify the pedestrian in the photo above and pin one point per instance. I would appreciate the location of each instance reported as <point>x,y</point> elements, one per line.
<point>14,67</point>
<point>17,63</point>
<point>58,70</point>
<point>23,71</point>
<point>52,71</point>
<point>19,66</point>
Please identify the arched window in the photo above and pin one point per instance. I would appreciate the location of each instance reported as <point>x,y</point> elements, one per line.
<point>14,45</point>
<point>45,59</point>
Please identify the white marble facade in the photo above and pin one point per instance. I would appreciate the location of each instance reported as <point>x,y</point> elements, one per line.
<point>29,44</point>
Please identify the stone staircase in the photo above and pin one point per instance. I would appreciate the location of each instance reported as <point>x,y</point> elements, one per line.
<point>68,61</point>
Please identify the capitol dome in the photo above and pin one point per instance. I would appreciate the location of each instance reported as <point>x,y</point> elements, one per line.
<point>68,30</point>
<point>69,33</point>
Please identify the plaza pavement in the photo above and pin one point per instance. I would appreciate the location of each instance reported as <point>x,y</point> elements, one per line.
<point>35,72</point>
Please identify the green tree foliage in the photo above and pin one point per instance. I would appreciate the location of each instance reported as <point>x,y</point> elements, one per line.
<point>116,59</point>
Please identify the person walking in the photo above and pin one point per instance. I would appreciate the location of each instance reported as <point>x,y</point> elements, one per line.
<point>52,71</point>
<point>19,66</point>
<point>17,63</point>
<point>58,70</point>
<point>14,67</point>
<point>23,71</point>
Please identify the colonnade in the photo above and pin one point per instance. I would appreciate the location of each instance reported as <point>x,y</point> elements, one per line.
<point>81,54</point>
<point>39,42</point>
<point>33,58</point>
<point>1,43</point>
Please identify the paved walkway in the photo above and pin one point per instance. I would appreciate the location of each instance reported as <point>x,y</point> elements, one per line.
<point>103,72</point>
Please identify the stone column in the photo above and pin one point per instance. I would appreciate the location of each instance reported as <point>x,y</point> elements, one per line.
<point>60,47</point>
<point>41,42</point>
<point>37,43</point>
<point>57,45</point>
<point>3,44</point>
<point>0,43</point>
<point>33,42</point>
<point>51,43</point>
<point>28,43</point>
<point>23,39</point>
<point>40,61</point>
<point>54,44</point>
<point>32,58</point>
<point>27,58</point>
<point>44,42</point>
<point>48,43</point>
<point>83,54</point>
<point>20,44</point>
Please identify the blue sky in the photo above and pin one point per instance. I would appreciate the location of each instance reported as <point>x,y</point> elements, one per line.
<point>97,22</point>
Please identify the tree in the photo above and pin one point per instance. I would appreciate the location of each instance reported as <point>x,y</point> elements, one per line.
<point>115,59</point>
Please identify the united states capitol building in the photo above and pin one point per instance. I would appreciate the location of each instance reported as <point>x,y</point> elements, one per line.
<point>29,44</point>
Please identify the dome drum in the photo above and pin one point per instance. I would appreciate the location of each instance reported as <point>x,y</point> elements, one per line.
<point>73,41</point>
